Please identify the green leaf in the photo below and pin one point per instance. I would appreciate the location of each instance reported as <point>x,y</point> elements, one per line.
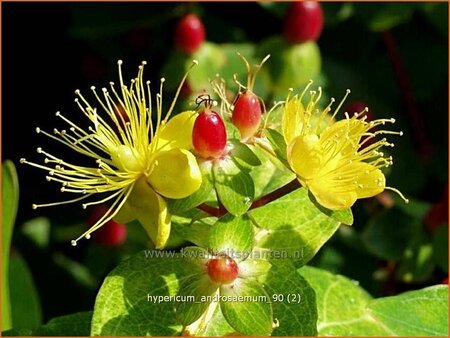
<point>131,300</point>
<point>25,303</point>
<point>293,301</point>
<point>293,226</point>
<point>77,324</point>
<point>253,317</point>
<point>244,155</point>
<point>232,235</point>
<point>254,268</point>
<point>270,175</point>
<point>278,144</point>
<point>341,305</point>
<point>17,332</point>
<point>415,313</point>
<point>10,200</point>
<point>194,231</point>
<point>216,325</point>
<point>346,309</point>
<point>235,187</point>
<point>194,286</point>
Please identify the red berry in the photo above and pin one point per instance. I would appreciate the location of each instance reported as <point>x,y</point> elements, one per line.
<point>209,135</point>
<point>445,281</point>
<point>189,33</point>
<point>247,114</point>
<point>222,270</point>
<point>303,22</point>
<point>111,233</point>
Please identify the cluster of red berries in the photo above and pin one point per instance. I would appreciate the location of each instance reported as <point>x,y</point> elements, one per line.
<point>209,135</point>
<point>303,22</point>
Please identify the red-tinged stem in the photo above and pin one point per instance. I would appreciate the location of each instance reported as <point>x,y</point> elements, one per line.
<point>425,148</point>
<point>284,190</point>
<point>210,210</point>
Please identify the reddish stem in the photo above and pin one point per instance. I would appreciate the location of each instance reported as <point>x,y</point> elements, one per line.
<point>284,190</point>
<point>409,100</point>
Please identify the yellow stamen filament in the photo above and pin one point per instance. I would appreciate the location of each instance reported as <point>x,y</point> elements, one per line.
<point>118,138</point>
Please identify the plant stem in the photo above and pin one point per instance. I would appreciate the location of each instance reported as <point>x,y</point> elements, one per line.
<point>284,190</point>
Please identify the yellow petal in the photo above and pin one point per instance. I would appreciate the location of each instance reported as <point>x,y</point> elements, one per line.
<point>177,133</point>
<point>293,119</point>
<point>371,181</point>
<point>126,213</point>
<point>330,195</point>
<point>175,173</point>
<point>150,209</point>
<point>305,157</point>
<point>341,189</point>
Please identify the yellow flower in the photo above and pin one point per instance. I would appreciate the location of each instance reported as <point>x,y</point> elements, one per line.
<point>336,163</point>
<point>133,171</point>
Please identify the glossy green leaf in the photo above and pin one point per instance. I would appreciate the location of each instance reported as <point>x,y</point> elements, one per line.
<point>252,268</point>
<point>251,314</point>
<point>10,200</point>
<point>415,313</point>
<point>193,289</point>
<point>235,187</point>
<point>293,301</point>
<point>278,143</point>
<point>346,309</point>
<point>215,325</point>
<point>24,297</point>
<point>232,235</point>
<point>293,226</point>
<point>244,155</point>
<point>270,175</point>
<point>194,231</point>
<point>134,298</point>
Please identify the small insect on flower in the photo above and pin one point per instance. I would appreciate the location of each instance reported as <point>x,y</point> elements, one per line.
<point>335,163</point>
<point>136,162</point>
